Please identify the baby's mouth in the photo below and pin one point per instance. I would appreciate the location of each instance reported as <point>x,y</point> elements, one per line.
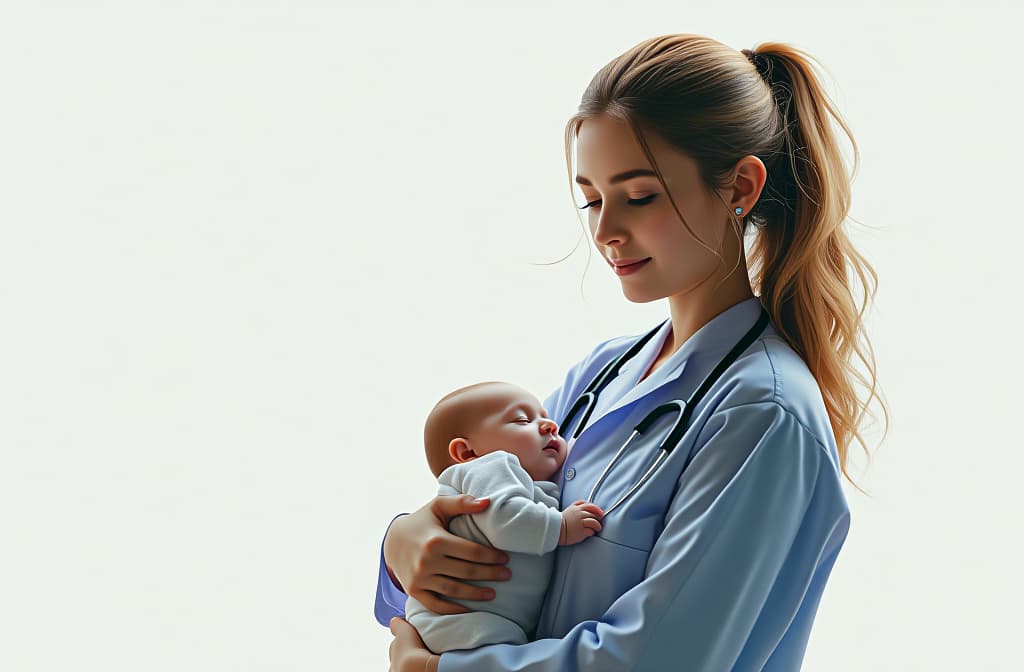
<point>552,447</point>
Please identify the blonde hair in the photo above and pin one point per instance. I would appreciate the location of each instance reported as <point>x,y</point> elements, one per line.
<point>717,105</point>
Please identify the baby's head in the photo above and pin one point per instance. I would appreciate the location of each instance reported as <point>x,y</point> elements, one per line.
<point>482,418</point>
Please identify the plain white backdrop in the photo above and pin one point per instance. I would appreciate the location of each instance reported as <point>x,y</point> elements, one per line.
<point>244,247</point>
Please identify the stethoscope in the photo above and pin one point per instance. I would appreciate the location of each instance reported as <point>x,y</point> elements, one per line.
<point>587,401</point>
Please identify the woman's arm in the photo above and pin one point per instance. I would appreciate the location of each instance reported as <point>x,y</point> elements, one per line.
<point>428,560</point>
<point>757,516</point>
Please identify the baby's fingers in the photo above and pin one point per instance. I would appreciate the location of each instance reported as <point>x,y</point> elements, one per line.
<point>592,508</point>
<point>592,524</point>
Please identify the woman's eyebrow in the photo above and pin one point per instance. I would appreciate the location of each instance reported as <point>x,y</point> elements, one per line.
<point>621,177</point>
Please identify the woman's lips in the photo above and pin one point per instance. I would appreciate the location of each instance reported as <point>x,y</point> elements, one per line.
<point>628,266</point>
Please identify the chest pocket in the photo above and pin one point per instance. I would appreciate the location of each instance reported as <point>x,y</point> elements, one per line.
<point>621,568</point>
<point>628,533</point>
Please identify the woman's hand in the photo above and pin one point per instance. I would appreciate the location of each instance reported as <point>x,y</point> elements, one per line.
<point>429,561</point>
<point>407,652</point>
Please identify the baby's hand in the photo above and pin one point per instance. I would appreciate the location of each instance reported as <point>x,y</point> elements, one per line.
<point>579,521</point>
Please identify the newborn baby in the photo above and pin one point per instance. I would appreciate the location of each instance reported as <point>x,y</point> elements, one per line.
<point>493,440</point>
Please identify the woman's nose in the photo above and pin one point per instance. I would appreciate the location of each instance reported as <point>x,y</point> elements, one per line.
<point>607,232</point>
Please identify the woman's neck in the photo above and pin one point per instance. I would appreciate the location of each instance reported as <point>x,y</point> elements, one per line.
<point>688,317</point>
<point>691,312</point>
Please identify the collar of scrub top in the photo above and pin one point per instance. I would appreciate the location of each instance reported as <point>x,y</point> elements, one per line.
<point>709,344</point>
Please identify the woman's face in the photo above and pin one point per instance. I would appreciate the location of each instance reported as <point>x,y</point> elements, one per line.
<point>633,223</point>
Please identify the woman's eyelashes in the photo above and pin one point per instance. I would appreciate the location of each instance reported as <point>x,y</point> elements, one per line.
<point>633,201</point>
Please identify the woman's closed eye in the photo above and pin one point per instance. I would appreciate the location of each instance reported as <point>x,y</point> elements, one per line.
<point>633,201</point>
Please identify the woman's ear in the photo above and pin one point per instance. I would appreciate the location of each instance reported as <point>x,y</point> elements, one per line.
<point>748,181</point>
<point>460,450</point>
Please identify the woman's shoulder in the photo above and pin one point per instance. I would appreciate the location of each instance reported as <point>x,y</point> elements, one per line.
<point>770,371</point>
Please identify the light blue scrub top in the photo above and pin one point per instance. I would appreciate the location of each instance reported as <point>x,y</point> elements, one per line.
<point>720,566</point>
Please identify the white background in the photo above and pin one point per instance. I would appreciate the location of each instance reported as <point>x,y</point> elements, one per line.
<point>246,246</point>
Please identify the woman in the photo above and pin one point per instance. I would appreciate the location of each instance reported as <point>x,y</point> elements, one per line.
<point>719,559</point>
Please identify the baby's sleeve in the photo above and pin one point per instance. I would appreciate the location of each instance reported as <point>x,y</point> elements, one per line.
<point>514,520</point>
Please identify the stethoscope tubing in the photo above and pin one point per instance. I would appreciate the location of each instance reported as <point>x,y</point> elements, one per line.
<point>683,409</point>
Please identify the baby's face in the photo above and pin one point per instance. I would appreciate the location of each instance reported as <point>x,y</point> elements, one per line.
<point>519,425</point>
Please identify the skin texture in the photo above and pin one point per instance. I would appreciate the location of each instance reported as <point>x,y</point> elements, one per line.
<point>516,424</point>
<point>696,283</point>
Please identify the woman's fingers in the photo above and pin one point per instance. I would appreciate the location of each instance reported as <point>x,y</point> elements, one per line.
<point>472,571</point>
<point>450,582</point>
<point>448,545</point>
<point>440,563</point>
<point>441,586</point>
<point>418,546</point>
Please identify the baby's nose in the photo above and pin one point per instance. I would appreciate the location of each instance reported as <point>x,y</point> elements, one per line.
<point>548,426</point>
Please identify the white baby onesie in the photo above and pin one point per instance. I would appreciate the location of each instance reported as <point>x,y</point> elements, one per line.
<point>523,519</point>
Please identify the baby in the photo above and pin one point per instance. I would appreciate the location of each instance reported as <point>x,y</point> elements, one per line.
<point>493,440</point>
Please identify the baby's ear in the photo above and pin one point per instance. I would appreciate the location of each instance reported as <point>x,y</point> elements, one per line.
<point>460,450</point>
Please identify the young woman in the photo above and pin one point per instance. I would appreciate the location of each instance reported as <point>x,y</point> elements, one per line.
<point>718,560</point>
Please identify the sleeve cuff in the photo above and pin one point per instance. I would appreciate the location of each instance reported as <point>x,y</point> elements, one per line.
<point>390,600</point>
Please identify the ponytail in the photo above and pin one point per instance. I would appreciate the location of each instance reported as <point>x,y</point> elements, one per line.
<point>802,257</point>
